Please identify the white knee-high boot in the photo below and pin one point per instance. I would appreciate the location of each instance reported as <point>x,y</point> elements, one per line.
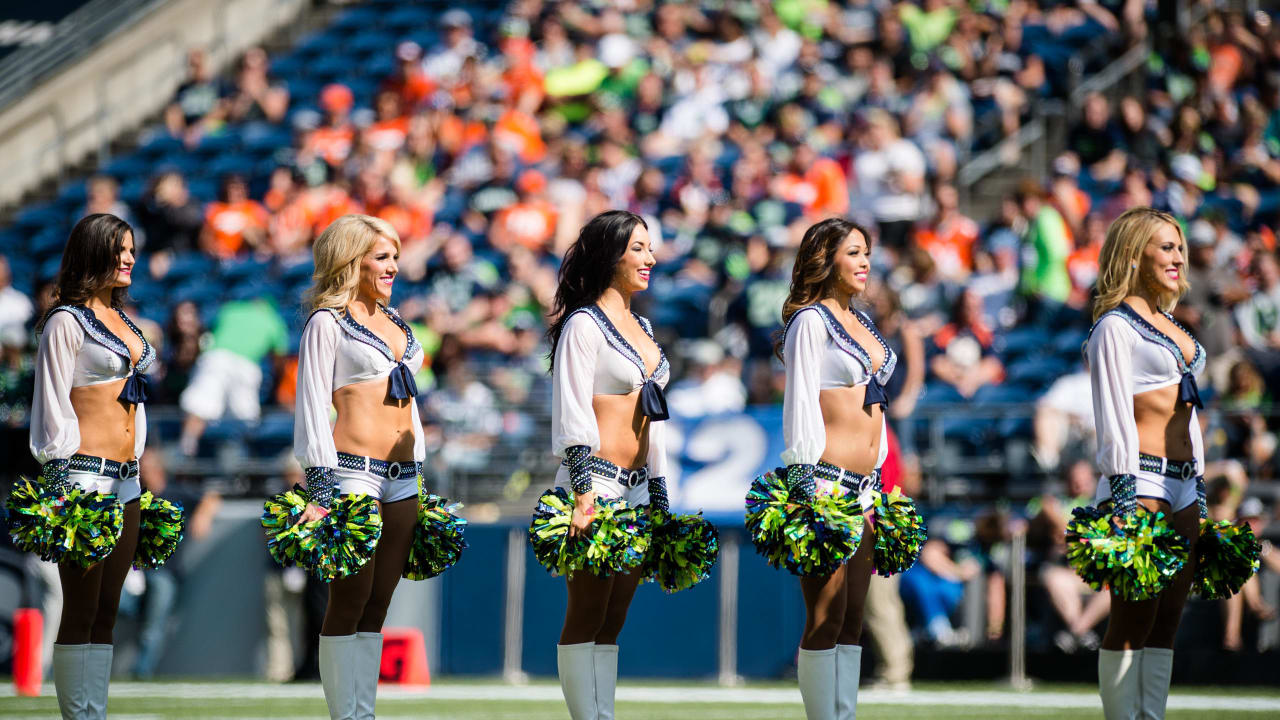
<point>340,674</point>
<point>71,680</point>
<point>605,660</point>
<point>848,675</point>
<point>99,679</point>
<point>369,667</point>
<point>1157,668</point>
<point>816,672</point>
<point>1120,683</point>
<point>576,666</point>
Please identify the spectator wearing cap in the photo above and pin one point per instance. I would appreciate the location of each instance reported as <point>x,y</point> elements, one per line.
<point>409,81</point>
<point>444,62</point>
<point>890,173</point>
<point>234,222</point>
<point>332,141</point>
<point>1184,195</point>
<point>1045,247</point>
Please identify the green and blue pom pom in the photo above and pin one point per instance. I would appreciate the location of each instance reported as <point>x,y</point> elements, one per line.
<point>437,538</point>
<point>900,533</point>
<point>617,543</point>
<point>160,526</point>
<point>682,550</point>
<point>335,546</point>
<point>808,538</point>
<point>1227,556</point>
<point>79,528</point>
<point>1137,561</point>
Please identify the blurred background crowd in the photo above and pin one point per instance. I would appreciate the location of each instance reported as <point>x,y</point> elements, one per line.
<point>487,134</point>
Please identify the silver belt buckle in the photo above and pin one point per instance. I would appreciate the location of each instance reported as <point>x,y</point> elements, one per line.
<point>393,471</point>
<point>123,472</point>
<point>633,478</point>
<point>1188,470</point>
<point>864,484</point>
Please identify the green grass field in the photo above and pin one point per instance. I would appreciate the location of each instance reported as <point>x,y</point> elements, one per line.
<point>641,701</point>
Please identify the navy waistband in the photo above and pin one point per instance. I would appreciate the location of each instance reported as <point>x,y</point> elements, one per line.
<point>387,469</point>
<point>1176,469</point>
<point>629,478</point>
<point>852,481</point>
<point>109,468</point>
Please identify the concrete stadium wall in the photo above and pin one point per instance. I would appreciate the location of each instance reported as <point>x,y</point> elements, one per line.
<point>128,78</point>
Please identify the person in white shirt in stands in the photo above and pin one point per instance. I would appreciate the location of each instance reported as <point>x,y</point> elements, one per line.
<point>88,428</point>
<point>358,356</point>
<point>890,172</point>
<point>834,428</point>
<point>607,375</point>
<point>15,307</point>
<point>1142,368</point>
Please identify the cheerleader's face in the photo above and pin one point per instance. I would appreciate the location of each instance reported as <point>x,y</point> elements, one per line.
<point>378,270</point>
<point>1162,263</point>
<point>853,264</point>
<point>124,266</point>
<point>632,271</point>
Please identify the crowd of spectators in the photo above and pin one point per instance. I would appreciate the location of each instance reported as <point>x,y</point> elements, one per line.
<point>487,138</point>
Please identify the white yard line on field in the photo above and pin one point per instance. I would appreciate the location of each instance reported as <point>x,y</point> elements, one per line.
<point>672,694</point>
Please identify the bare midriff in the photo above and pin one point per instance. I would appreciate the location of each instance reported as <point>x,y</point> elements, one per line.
<point>371,423</point>
<point>853,431</point>
<point>106,423</point>
<point>1163,423</point>
<point>624,430</point>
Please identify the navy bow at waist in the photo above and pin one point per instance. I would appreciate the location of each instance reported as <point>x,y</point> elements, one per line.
<point>403,386</point>
<point>1189,391</point>
<point>652,402</point>
<point>134,391</point>
<point>875,395</point>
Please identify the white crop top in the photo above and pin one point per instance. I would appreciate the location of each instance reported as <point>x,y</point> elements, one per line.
<point>593,358</point>
<point>336,351</point>
<point>1127,355</point>
<point>76,349</point>
<point>819,354</point>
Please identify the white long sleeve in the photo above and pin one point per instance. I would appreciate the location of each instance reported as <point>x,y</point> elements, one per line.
<point>803,430</point>
<point>317,356</point>
<point>573,419</point>
<point>1110,356</point>
<point>55,429</point>
<point>657,458</point>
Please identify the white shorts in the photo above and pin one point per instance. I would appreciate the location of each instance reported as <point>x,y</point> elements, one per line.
<point>606,487</point>
<point>364,482</point>
<point>223,382</point>
<point>1179,493</point>
<point>124,490</point>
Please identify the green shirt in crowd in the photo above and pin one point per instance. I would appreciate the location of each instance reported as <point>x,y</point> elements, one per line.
<point>250,329</point>
<point>1044,256</point>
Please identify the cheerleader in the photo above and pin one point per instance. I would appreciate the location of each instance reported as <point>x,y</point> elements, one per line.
<point>358,356</point>
<point>834,430</point>
<point>1143,367</point>
<point>88,428</point>
<point>607,380</point>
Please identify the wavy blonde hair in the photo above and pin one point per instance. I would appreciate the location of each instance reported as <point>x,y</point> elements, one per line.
<point>1119,263</point>
<point>338,252</point>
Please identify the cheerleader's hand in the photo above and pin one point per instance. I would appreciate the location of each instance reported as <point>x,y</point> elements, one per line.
<point>584,510</point>
<point>311,513</point>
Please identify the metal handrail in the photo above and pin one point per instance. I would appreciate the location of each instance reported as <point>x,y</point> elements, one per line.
<point>73,37</point>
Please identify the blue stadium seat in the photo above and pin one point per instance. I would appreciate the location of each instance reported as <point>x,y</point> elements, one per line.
<point>188,265</point>
<point>74,192</point>
<point>161,144</point>
<point>408,17</point>
<point>379,65</point>
<point>22,270</point>
<point>358,17</point>
<point>372,42</point>
<point>127,165</point>
<point>49,241</point>
<point>236,271</point>
<point>37,218</point>
<point>272,436</point>
<point>287,65</point>
<point>132,190</point>
<point>198,290</point>
<point>219,143</point>
<point>203,188</point>
<point>231,163</point>
<point>49,267</point>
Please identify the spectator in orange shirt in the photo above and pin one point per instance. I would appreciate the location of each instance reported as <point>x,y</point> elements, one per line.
<point>518,132</point>
<point>816,182</point>
<point>234,222</point>
<point>331,200</point>
<point>949,236</point>
<point>531,222</point>
<point>389,131</point>
<point>1082,263</point>
<point>409,82</point>
<point>521,75</point>
<point>332,141</point>
<point>292,218</point>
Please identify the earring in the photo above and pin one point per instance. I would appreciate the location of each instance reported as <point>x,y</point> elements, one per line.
<point>1133,266</point>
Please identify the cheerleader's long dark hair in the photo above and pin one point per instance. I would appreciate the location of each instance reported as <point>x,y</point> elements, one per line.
<point>812,274</point>
<point>91,260</point>
<point>589,266</point>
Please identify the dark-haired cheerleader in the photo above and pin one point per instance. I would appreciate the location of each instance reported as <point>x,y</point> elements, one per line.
<point>607,404</point>
<point>358,356</point>
<point>88,428</point>
<point>834,427</point>
<point>1142,365</point>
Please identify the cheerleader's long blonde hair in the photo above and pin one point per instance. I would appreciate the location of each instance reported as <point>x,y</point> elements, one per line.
<point>338,252</point>
<point>1120,262</point>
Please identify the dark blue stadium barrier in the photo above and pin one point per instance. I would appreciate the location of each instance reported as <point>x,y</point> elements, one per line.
<point>471,606</point>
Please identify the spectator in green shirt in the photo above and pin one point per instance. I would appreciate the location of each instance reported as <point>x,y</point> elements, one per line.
<point>228,375</point>
<point>1045,247</point>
